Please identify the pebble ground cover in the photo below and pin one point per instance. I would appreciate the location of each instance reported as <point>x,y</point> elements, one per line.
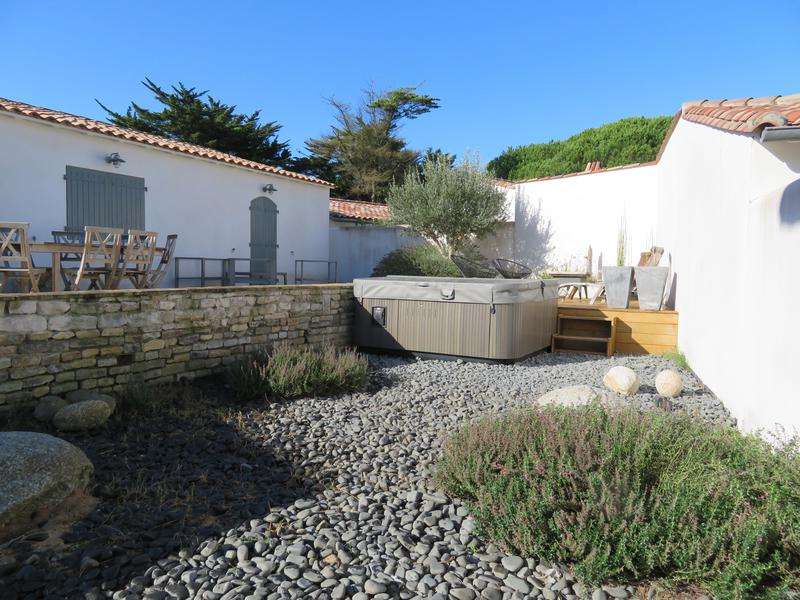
<point>311,498</point>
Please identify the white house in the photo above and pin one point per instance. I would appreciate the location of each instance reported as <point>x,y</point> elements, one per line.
<point>723,199</point>
<point>55,167</point>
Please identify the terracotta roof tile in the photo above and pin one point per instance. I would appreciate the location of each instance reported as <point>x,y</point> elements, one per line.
<point>745,115</point>
<point>54,116</point>
<point>360,211</point>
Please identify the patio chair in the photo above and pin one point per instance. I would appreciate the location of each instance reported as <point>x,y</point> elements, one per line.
<point>510,269</point>
<point>100,259</point>
<point>155,276</point>
<point>472,268</point>
<point>68,236</point>
<point>137,257</point>
<point>15,256</point>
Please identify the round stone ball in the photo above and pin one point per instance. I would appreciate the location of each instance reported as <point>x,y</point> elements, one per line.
<point>669,383</point>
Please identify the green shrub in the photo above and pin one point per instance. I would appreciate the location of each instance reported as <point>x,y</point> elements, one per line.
<point>292,372</point>
<point>623,142</point>
<point>422,260</point>
<point>628,496</point>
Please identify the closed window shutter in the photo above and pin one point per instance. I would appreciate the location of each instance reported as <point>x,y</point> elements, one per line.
<point>104,199</point>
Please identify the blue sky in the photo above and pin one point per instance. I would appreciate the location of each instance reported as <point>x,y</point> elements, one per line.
<point>507,73</point>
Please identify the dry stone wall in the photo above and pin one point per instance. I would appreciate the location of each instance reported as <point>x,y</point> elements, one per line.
<point>56,343</point>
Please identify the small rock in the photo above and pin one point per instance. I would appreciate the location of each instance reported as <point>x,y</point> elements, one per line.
<point>517,584</point>
<point>81,416</point>
<point>47,407</point>
<point>84,395</point>
<point>373,588</point>
<point>512,564</point>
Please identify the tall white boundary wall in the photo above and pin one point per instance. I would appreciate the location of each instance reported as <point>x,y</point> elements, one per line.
<point>726,208</point>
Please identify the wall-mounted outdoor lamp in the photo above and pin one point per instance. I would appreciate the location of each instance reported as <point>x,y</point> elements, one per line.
<point>114,159</point>
<point>269,188</point>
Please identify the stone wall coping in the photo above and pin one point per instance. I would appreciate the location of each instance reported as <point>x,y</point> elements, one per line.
<point>166,291</point>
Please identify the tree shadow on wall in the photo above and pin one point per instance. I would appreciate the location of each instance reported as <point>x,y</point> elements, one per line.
<point>532,236</point>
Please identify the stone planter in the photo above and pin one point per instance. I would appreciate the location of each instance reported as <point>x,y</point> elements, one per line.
<point>618,282</point>
<point>650,284</point>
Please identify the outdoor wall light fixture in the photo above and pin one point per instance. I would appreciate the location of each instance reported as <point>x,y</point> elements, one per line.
<point>114,159</point>
<point>269,188</point>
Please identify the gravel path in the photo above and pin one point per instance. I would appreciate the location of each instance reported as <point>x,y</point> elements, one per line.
<point>378,528</point>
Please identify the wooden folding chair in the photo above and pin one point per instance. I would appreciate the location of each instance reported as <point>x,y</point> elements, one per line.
<point>100,259</point>
<point>156,275</point>
<point>137,257</point>
<point>15,256</point>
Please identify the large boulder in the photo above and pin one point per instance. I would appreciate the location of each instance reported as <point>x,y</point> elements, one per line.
<point>37,473</point>
<point>89,414</point>
<point>47,407</point>
<point>669,383</point>
<point>84,395</point>
<point>622,380</point>
<point>577,395</point>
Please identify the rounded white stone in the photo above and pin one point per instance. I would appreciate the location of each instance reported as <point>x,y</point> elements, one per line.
<point>669,383</point>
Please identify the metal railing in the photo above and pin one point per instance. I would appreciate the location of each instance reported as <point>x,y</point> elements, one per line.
<point>251,277</point>
<point>225,275</point>
<point>300,276</point>
<point>204,278</point>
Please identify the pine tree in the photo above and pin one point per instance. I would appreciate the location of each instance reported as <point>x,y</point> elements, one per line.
<point>193,116</point>
<point>363,155</point>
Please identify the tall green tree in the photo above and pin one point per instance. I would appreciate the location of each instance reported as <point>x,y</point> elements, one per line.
<point>194,116</point>
<point>448,205</point>
<point>363,154</point>
<point>431,154</point>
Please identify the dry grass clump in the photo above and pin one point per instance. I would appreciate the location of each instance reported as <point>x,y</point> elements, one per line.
<point>625,496</point>
<point>293,372</point>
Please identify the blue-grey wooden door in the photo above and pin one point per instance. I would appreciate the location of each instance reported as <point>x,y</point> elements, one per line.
<point>263,240</point>
<point>104,199</point>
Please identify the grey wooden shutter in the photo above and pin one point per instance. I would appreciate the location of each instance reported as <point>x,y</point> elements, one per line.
<point>263,239</point>
<point>104,199</point>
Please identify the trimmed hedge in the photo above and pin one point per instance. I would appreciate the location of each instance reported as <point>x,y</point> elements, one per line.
<point>628,496</point>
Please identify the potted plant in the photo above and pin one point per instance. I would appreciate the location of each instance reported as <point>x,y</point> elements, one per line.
<point>618,282</point>
<point>650,284</point>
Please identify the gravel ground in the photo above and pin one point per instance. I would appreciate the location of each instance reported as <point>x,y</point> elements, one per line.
<point>358,516</point>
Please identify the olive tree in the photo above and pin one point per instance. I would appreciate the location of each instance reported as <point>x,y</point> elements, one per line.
<point>448,205</point>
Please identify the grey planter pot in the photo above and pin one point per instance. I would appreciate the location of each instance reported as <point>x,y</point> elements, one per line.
<point>618,282</point>
<point>650,284</point>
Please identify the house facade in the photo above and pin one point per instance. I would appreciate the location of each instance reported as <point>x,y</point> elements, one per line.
<point>54,168</point>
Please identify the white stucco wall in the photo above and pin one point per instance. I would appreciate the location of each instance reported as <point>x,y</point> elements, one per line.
<point>587,210</point>
<point>357,247</point>
<point>205,202</point>
<point>733,232</point>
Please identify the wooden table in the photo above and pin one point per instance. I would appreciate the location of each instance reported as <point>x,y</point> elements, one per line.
<point>56,249</point>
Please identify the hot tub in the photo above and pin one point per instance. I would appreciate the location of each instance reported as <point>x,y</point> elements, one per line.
<point>500,319</point>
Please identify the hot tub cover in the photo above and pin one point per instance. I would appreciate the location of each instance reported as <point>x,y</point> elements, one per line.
<point>452,289</point>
